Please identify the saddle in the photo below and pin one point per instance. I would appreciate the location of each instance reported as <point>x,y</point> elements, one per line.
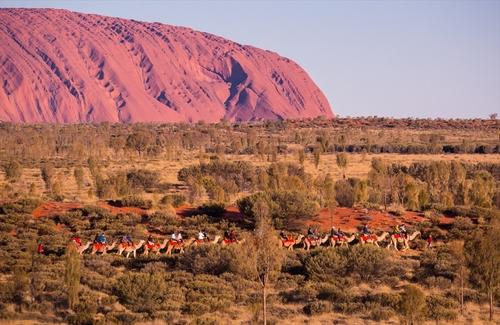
<point>230,241</point>
<point>367,237</point>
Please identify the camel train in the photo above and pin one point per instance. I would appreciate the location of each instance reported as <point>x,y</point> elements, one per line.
<point>125,245</point>
<point>309,241</point>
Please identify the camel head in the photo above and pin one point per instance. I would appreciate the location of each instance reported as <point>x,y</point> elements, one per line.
<point>299,239</point>
<point>216,239</point>
<point>139,244</point>
<point>189,241</point>
<point>414,235</point>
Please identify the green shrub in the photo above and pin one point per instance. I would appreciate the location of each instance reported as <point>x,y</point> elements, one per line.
<point>208,259</point>
<point>327,265</point>
<point>208,294</point>
<point>412,304</point>
<point>143,179</point>
<point>441,308</point>
<point>148,293</point>
<point>133,201</point>
<point>368,262</point>
<point>214,210</point>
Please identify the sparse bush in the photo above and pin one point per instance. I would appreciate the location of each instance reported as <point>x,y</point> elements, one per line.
<point>412,305</point>
<point>176,200</point>
<point>13,170</point>
<point>317,308</point>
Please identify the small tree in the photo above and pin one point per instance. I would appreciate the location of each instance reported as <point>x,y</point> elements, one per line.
<point>72,275</point>
<point>317,156</point>
<point>13,170</point>
<point>412,304</point>
<point>342,162</point>
<point>78,174</point>
<point>483,256</point>
<point>268,254</point>
<point>301,156</point>
<point>47,171</point>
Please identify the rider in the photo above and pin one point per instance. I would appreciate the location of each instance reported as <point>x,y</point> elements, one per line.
<point>201,235</point>
<point>283,235</point>
<point>77,240</point>
<point>151,240</point>
<point>334,232</point>
<point>176,236</point>
<point>365,230</point>
<point>397,230</point>
<point>341,233</point>
<point>403,230</point>
<point>100,239</point>
<point>126,239</point>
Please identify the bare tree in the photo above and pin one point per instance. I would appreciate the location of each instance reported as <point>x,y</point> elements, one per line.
<point>269,256</point>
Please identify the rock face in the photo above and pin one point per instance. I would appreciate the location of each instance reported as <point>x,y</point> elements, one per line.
<point>59,66</point>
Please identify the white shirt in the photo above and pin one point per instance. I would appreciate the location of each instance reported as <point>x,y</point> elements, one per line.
<point>179,236</point>
<point>174,236</point>
<point>201,235</point>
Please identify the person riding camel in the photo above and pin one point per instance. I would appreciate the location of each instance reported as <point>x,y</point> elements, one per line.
<point>100,239</point>
<point>127,240</point>
<point>202,236</point>
<point>77,240</point>
<point>334,232</point>
<point>151,241</point>
<point>404,231</point>
<point>396,230</point>
<point>283,235</point>
<point>341,233</point>
<point>365,230</point>
<point>177,237</point>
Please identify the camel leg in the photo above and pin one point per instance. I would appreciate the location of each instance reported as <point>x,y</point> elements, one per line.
<point>135,254</point>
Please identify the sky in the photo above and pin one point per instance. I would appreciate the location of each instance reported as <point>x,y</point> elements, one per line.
<point>370,58</point>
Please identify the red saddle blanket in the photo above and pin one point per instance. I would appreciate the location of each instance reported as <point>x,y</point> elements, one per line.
<point>152,245</point>
<point>175,243</point>
<point>338,238</point>
<point>99,246</point>
<point>230,241</point>
<point>368,237</point>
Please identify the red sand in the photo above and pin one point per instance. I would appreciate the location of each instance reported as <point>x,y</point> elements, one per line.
<point>59,66</point>
<point>49,209</point>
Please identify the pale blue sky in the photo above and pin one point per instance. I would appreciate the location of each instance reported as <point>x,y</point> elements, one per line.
<point>385,58</point>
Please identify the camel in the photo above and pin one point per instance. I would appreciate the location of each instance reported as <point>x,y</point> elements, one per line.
<point>226,242</point>
<point>82,248</point>
<point>289,243</point>
<point>398,238</point>
<point>175,245</point>
<point>311,242</point>
<point>129,248</point>
<point>154,248</point>
<point>198,242</point>
<point>341,240</point>
<point>102,248</point>
<point>372,238</point>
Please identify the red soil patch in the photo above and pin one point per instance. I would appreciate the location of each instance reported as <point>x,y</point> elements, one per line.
<point>49,209</point>
<point>349,219</point>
